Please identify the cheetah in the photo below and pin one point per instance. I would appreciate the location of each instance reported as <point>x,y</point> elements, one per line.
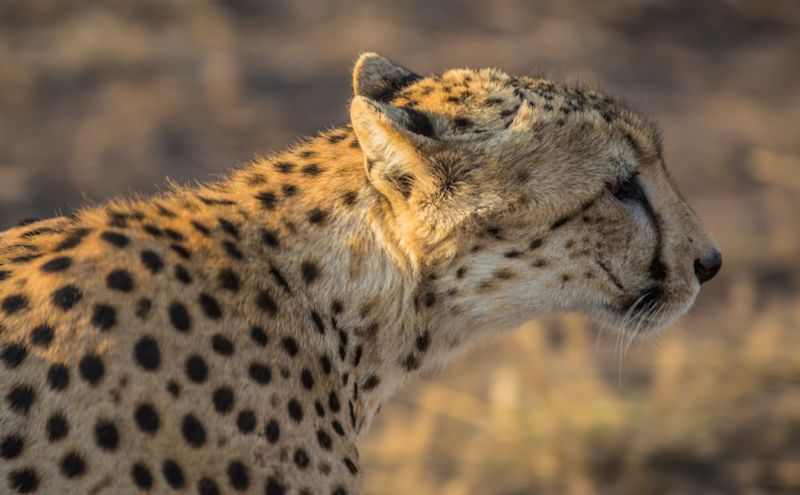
<point>240,336</point>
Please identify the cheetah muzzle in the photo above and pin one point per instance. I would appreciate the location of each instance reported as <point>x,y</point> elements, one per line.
<point>238,337</point>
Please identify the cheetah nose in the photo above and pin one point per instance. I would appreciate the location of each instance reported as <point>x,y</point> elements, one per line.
<point>706,267</point>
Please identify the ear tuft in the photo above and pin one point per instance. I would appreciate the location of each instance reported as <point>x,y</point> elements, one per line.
<point>378,78</point>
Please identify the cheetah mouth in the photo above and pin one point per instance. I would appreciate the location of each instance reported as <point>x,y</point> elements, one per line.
<point>647,311</point>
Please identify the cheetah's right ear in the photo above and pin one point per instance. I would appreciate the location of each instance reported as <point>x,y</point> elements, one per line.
<point>379,78</point>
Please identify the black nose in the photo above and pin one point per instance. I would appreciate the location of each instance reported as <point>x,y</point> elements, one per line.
<point>706,267</point>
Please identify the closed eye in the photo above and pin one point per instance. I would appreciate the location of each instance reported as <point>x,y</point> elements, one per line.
<point>628,190</point>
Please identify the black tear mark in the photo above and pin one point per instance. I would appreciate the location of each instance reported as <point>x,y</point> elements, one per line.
<point>657,269</point>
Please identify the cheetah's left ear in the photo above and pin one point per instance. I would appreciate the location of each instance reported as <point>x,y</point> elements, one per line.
<point>397,145</point>
<point>379,78</point>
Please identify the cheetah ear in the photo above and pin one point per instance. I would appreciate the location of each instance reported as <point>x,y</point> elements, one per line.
<point>397,143</point>
<point>378,78</point>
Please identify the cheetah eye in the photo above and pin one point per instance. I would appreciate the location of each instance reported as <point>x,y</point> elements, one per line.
<point>627,190</point>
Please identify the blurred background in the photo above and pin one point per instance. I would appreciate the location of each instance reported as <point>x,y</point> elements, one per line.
<point>108,97</point>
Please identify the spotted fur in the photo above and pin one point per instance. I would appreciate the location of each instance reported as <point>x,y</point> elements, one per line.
<point>240,336</point>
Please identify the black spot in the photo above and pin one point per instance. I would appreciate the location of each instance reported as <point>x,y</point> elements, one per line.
<point>200,228</point>
<point>196,369</point>
<point>73,239</point>
<point>91,368</point>
<point>267,199</point>
<point>141,476</point>
<point>312,170</point>
<point>318,324</point>
<point>222,345</point>
<point>266,303</point>
<point>419,122</point>
<point>66,297</point>
<point>57,427</point>
<point>411,362</point>
<point>307,379</point>
<point>295,410</point>
<point>120,280</point>
<point>180,251</point>
<point>174,388</point>
<point>246,421</point>
<point>301,458</point>
<point>290,190</point>
<point>104,317</point>
<point>182,275</point>
<point>290,346</point>
<point>232,250</point>
<point>349,198</point>
<point>284,167</point>
<point>512,254</point>
<point>337,427</point>
<point>272,430</point>
<point>536,243</point>
<point>115,239</point>
<point>152,261</point>
<point>258,336</point>
<point>309,271</point>
<point>319,409</point>
<point>324,439</point>
<point>558,223</point>
<point>238,476</point>
<point>57,264</point>
<point>333,402</point>
<point>228,280</point>
<point>270,238</point>
<point>106,435</point>
<point>371,383</point>
<point>147,418</point>
<point>193,431</point>
<point>223,400</point>
<point>173,234</point>
<point>20,398</point>
<point>274,487</point>
<point>13,355</point>
<point>317,216</point>
<point>42,336</point>
<point>4,275</point>
<point>229,228</point>
<point>11,446</point>
<point>142,309</point>
<point>179,317</point>
<point>260,373</point>
<point>423,341</point>
<point>207,486</point>
<point>58,377</point>
<point>72,465</point>
<point>279,279</point>
<point>351,466</point>
<point>152,230</point>
<point>325,362</point>
<point>147,354</point>
<point>14,303</point>
<point>23,480</point>
<point>173,474</point>
<point>210,306</point>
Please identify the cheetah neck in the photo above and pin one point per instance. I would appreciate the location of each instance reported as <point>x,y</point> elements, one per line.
<point>313,230</point>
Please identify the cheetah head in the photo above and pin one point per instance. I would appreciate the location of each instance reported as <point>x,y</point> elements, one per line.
<point>517,196</point>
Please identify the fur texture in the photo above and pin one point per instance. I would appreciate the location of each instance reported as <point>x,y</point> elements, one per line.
<point>239,337</point>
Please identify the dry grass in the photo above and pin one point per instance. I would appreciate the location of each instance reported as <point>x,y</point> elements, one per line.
<point>105,97</point>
